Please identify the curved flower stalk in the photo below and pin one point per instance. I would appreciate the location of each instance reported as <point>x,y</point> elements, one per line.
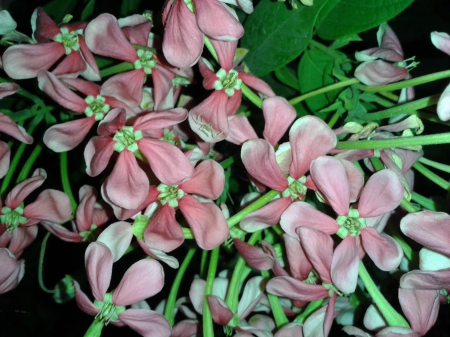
<point>128,185</point>
<point>209,119</point>
<point>432,231</point>
<point>8,126</point>
<point>26,61</point>
<point>143,279</point>
<point>18,222</point>
<point>186,22</point>
<point>11,270</point>
<point>384,64</point>
<point>90,217</point>
<point>66,136</point>
<point>284,171</point>
<point>382,193</point>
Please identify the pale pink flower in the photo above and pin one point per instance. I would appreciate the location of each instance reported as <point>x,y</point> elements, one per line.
<point>442,42</point>
<point>143,279</point>
<point>11,270</point>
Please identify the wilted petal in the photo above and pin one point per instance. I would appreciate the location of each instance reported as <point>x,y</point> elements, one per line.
<point>379,72</point>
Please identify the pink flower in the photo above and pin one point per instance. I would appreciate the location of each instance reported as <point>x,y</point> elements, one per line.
<point>11,270</point>
<point>25,61</point>
<point>442,42</point>
<point>143,279</point>
<point>382,194</point>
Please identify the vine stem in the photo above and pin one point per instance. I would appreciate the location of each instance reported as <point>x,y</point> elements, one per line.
<point>436,165</point>
<point>432,176</point>
<point>208,328</point>
<point>277,309</point>
<point>65,180</point>
<point>41,265</point>
<point>170,304</point>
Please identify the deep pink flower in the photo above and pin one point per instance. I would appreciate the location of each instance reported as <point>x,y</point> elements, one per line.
<point>143,279</point>
<point>26,61</point>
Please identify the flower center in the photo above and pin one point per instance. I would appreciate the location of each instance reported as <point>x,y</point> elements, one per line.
<point>126,138</point>
<point>229,82</point>
<point>108,310</point>
<point>12,218</point>
<point>296,189</point>
<point>68,39</point>
<point>351,224</point>
<point>96,107</point>
<point>90,235</point>
<point>170,194</point>
<point>170,136</point>
<point>146,61</point>
<point>408,63</point>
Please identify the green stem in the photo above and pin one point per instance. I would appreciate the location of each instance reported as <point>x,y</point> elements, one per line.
<point>277,309</point>
<point>392,317</point>
<point>203,264</point>
<point>436,165</point>
<point>118,68</point>
<point>228,162</point>
<point>12,167</point>
<point>312,307</point>
<point>210,48</point>
<point>407,250</point>
<point>41,265</point>
<point>65,180</point>
<point>95,330</point>
<point>407,206</point>
<point>439,138</point>
<point>232,298</point>
<point>265,199</point>
<point>29,164</point>
<point>334,119</point>
<point>425,202</point>
<point>208,328</point>
<point>432,176</point>
<point>407,108</point>
<point>170,304</point>
<point>407,83</point>
<point>22,92</point>
<point>330,87</point>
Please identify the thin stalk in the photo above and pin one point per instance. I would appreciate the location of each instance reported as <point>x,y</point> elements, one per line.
<point>432,176</point>
<point>208,328</point>
<point>439,138</point>
<point>95,329</point>
<point>41,265</point>
<point>425,202</point>
<point>407,83</point>
<point>323,90</point>
<point>170,304</point>
<point>407,250</point>
<point>29,164</point>
<point>392,317</point>
<point>22,92</point>
<point>407,206</point>
<point>334,119</point>
<point>118,68</point>
<point>277,309</point>
<point>436,165</point>
<point>265,199</point>
<point>312,307</point>
<point>65,180</point>
<point>407,108</point>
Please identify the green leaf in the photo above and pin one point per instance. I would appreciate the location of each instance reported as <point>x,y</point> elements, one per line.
<point>314,72</point>
<point>275,35</point>
<point>346,17</point>
<point>129,7</point>
<point>57,9</point>
<point>286,76</point>
<point>88,10</point>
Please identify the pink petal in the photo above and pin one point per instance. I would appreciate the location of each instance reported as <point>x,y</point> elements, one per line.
<point>7,89</point>
<point>254,256</point>
<point>299,264</point>
<point>216,21</point>
<point>225,52</point>
<point>18,194</point>
<point>167,162</point>
<point>345,264</point>
<point>431,280</point>
<point>310,138</point>
<point>260,151</point>
<point>66,136</point>
<point>11,270</point>
<point>220,312</point>
<point>71,65</point>
<point>164,232</point>
<point>420,307</point>
<point>256,84</point>
<point>128,185</point>
<point>355,179</point>
<point>22,237</point>
<point>441,41</point>
<point>278,116</point>
<point>318,246</point>
<point>5,154</point>
<point>430,229</point>
<point>83,302</point>
<point>303,214</point>
<point>330,177</point>
<point>208,180</point>
<point>384,251</point>
<point>97,153</point>
<point>181,33</point>
<point>61,232</point>
<point>379,72</point>
<point>266,216</point>
<point>382,193</point>
<point>117,237</point>
<point>146,322</point>
<point>208,234</point>
<point>240,130</point>
<point>289,287</point>
<point>50,205</point>
<point>27,60</point>
<point>253,291</point>
<point>98,261</point>
<point>8,126</point>
<point>155,120</point>
<point>126,87</point>
<point>443,106</point>
<point>104,37</point>
<point>142,280</point>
